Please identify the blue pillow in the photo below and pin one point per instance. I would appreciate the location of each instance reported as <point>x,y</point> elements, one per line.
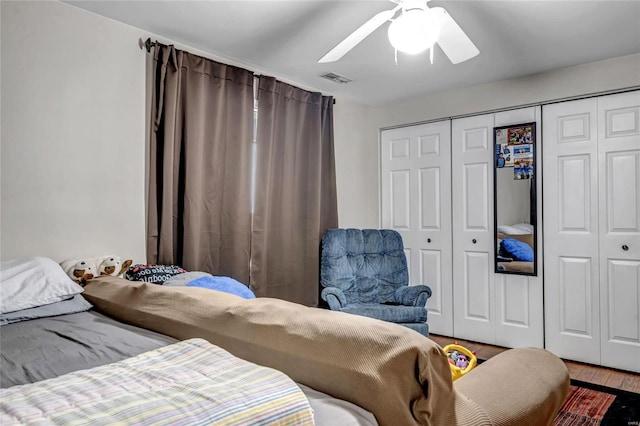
<point>225,284</point>
<point>517,250</point>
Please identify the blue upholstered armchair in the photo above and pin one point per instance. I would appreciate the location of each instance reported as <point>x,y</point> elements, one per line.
<point>364,272</point>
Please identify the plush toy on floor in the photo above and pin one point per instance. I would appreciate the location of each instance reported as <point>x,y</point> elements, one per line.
<point>461,360</point>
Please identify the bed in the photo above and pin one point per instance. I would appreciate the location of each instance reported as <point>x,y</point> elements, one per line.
<point>317,366</point>
<point>40,348</point>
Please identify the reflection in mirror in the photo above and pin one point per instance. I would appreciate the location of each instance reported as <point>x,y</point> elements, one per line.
<point>515,199</point>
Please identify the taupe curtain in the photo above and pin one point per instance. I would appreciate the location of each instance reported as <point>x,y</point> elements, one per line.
<point>295,191</point>
<point>199,212</point>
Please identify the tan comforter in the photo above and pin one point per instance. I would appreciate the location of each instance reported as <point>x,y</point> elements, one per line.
<point>397,374</point>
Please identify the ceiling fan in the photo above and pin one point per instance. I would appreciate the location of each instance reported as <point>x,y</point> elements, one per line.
<point>415,29</point>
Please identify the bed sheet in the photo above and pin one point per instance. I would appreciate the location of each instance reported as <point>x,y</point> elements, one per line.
<point>191,382</point>
<point>44,348</point>
<point>48,347</point>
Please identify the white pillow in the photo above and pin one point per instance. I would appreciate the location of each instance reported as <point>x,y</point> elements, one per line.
<point>517,229</point>
<point>526,228</point>
<point>35,281</point>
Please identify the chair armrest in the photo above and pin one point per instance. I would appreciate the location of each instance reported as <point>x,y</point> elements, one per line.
<point>413,295</point>
<point>334,297</point>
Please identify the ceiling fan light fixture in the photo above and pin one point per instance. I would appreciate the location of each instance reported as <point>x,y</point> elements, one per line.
<point>415,31</point>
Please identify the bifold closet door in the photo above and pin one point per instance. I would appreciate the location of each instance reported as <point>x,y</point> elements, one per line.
<point>416,202</point>
<point>519,298</point>
<point>619,242</point>
<point>570,197</point>
<point>473,245</point>
<point>489,307</point>
<point>592,229</point>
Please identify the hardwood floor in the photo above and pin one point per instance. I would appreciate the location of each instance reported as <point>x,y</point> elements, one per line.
<point>578,371</point>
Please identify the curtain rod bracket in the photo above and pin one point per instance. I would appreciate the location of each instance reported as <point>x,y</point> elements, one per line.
<point>147,44</point>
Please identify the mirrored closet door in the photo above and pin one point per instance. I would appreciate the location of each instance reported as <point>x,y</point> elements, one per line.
<point>437,190</point>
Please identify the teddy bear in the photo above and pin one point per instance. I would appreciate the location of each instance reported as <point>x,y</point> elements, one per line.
<point>81,271</point>
<point>113,266</point>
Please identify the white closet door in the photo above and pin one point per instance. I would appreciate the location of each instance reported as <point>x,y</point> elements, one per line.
<point>519,304</point>
<point>416,201</point>
<point>619,171</point>
<point>473,245</point>
<point>570,197</point>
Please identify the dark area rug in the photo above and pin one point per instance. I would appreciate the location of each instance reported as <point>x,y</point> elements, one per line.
<point>589,404</point>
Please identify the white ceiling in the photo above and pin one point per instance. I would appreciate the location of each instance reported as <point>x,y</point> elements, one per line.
<point>286,38</point>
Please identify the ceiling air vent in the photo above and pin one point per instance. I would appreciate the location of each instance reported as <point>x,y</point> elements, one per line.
<point>337,78</point>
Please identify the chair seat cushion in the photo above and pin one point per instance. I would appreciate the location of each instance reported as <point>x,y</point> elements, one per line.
<point>390,313</point>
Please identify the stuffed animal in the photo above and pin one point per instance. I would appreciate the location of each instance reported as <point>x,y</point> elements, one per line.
<point>462,362</point>
<point>82,270</point>
<point>113,266</point>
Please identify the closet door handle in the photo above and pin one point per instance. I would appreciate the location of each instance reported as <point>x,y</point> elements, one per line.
<point>625,247</point>
<point>474,241</point>
<point>428,240</point>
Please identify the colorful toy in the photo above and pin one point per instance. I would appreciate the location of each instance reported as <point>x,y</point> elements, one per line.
<point>461,360</point>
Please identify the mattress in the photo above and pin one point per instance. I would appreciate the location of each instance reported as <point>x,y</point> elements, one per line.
<point>44,348</point>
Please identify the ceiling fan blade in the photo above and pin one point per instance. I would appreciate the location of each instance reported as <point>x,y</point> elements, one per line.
<point>358,35</point>
<point>454,42</point>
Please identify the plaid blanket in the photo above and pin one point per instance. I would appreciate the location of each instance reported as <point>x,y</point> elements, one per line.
<point>188,383</point>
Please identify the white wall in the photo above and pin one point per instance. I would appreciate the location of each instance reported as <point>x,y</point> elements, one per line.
<point>75,92</point>
<point>353,162</point>
<point>584,79</point>
<point>513,198</point>
<point>73,114</point>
